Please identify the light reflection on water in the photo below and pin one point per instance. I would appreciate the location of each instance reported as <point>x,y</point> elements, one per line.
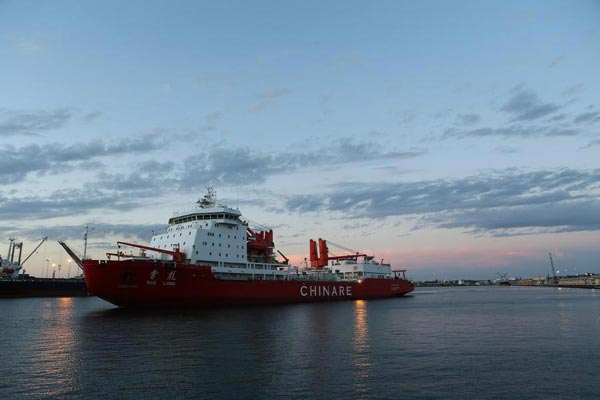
<point>472,343</point>
<point>49,351</point>
<point>360,358</point>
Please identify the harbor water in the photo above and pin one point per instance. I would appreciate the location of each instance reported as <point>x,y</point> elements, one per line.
<point>438,343</point>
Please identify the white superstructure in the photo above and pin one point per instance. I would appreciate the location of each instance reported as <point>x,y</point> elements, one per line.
<point>352,269</point>
<point>216,235</point>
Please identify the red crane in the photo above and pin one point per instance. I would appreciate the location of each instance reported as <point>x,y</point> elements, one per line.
<point>320,258</point>
<point>177,255</point>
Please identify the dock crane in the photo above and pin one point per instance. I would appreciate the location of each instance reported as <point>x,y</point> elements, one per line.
<point>553,269</point>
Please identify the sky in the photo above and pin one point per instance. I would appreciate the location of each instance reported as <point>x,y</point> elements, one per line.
<point>455,139</point>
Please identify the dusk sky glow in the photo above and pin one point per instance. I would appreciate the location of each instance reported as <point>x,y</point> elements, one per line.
<point>455,139</point>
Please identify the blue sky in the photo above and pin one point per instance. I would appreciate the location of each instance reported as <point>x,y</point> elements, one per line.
<point>457,139</point>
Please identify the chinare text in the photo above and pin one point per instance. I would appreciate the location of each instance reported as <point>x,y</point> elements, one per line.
<point>317,290</point>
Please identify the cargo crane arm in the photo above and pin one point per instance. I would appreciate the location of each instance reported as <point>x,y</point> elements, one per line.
<point>34,250</point>
<point>287,260</point>
<point>177,255</point>
<point>355,255</point>
<point>72,254</point>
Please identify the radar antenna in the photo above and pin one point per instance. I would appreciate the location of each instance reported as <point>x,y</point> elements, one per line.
<point>210,198</point>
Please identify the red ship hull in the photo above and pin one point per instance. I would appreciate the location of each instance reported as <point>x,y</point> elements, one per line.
<point>146,283</point>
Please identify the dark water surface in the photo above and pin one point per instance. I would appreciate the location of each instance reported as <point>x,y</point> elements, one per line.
<point>440,343</point>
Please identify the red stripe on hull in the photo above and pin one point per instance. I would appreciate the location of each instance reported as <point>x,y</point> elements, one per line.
<point>145,284</point>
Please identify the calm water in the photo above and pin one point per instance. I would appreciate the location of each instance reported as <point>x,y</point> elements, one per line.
<point>440,343</point>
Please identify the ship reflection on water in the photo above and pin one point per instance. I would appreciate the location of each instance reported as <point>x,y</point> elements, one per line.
<point>360,359</point>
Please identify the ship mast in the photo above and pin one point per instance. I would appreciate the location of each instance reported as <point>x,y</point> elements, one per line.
<point>553,269</point>
<point>85,235</point>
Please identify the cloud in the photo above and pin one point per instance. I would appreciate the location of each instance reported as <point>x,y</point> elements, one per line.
<point>63,203</point>
<point>587,117</point>
<point>90,117</point>
<point>268,98</point>
<point>221,165</point>
<point>97,231</point>
<point>481,202</point>
<point>557,60</point>
<point>212,117</point>
<point>146,179</point>
<point>529,117</point>
<point>505,150</point>
<point>514,130</point>
<point>16,163</point>
<point>467,119</point>
<point>562,216</point>
<point>209,121</point>
<point>590,144</point>
<point>572,90</point>
<point>32,123</point>
<point>224,165</point>
<point>524,105</point>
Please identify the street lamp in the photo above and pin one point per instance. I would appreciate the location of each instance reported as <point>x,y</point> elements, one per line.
<point>53,270</point>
